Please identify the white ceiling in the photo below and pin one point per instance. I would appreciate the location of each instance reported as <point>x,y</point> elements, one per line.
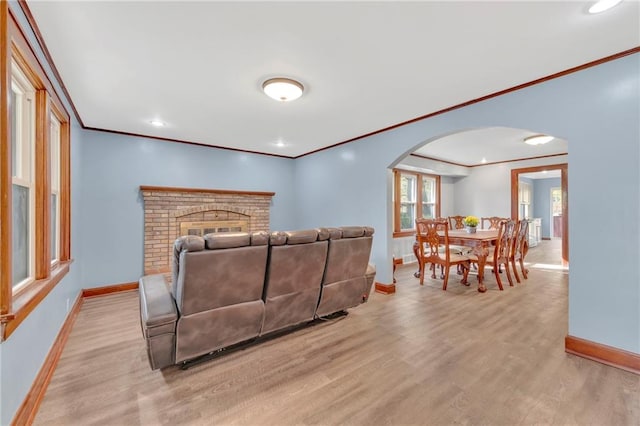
<point>365,65</point>
<point>547,174</point>
<point>489,145</point>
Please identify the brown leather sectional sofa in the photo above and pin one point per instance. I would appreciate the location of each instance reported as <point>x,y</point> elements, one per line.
<point>231,288</point>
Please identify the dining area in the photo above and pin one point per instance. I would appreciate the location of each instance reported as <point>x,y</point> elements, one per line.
<point>500,244</point>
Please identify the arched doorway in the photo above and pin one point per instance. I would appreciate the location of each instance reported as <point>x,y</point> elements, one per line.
<point>473,172</point>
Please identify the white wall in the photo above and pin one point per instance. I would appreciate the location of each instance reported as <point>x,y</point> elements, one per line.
<point>448,186</point>
<point>487,190</point>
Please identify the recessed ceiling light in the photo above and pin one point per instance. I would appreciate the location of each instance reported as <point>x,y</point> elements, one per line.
<point>283,89</point>
<point>157,123</point>
<point>603,5</point>
<point>484,160</point>
<point>279,144</point>
<point>538,139</point>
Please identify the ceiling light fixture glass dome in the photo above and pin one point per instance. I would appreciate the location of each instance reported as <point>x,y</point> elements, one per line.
<point>538,139</point>
<point>283,89</point>
<point>603,5</point>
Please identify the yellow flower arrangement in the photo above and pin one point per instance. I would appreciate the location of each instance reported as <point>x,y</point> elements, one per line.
<point>471,221</point>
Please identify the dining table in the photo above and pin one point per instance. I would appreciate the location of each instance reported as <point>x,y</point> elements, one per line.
<point>480,242</point>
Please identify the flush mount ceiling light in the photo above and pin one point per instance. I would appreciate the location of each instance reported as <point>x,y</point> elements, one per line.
<point>282,89</point>
<point>157,123</point>
<point>603,5</point>
<point>538,139</point>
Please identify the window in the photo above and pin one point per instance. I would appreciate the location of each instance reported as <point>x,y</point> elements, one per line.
<point>54,144</point>
<point>524,200</point>
<point>408,197</point>
<point>415,195</point>
<point>556,201</point>
<point>34,180</point>
<point>22,112</point>
<point>429,192</point>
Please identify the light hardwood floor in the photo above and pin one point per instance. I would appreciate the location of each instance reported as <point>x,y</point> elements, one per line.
<point>421,356</point>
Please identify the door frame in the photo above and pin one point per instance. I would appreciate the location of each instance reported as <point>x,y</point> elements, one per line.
<point>563,167</point>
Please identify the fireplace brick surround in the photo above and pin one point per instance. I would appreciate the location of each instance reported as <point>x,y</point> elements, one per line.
<point>166,208</point>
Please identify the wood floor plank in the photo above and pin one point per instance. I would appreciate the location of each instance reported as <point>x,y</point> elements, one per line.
<point>420,356</point>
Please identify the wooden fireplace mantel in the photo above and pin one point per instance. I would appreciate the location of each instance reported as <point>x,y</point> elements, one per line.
<point>208,191</point>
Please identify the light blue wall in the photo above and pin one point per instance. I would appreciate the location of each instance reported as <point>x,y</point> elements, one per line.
<point>596,110</point>
<point>542,202</point>
<point>25,350</point>
<point>112,219</point>
<point>22,355</point>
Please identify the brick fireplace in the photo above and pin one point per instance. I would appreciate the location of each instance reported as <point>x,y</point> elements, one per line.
<point>170,212</point>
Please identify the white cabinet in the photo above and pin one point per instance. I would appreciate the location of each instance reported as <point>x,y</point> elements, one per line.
<point>535,236</point>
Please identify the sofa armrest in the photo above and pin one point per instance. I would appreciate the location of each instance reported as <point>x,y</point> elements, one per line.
<point>158,318</point>
<point>157,306</point>
<point>370,276</point>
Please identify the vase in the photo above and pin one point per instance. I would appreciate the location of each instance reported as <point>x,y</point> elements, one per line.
<point>471,229</point>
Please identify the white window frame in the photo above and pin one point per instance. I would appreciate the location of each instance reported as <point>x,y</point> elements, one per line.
<point>434,195</point>
<point>412,193</point>
<point>54,140</point>
<point>551,216</point>
<point>24,175</point>
<point>525,193</point>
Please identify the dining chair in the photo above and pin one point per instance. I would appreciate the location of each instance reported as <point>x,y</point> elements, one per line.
<point>519,248</point>
<point>501,252</point>
<point>429,233</point>
<point>456,222</point>
<point>493,222</point>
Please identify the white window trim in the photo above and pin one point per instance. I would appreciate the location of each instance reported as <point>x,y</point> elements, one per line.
<point>55,136</point>
<point>525,194</point>
<point>25,168</point>
<point>434,193</point>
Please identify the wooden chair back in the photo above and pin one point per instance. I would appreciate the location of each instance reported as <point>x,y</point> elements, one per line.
<point>504,243</point>
<point>520,239</point>
<point>519,248</point>
<point>492,222</point>
<point>432,236</point>
<point>456,222</point>
<point>428,239</point>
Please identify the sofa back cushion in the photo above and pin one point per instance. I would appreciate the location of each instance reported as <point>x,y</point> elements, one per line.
<point>296,265</point>
<point>349,252</point>
<point>345,284</point>
<point>230,270</point>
